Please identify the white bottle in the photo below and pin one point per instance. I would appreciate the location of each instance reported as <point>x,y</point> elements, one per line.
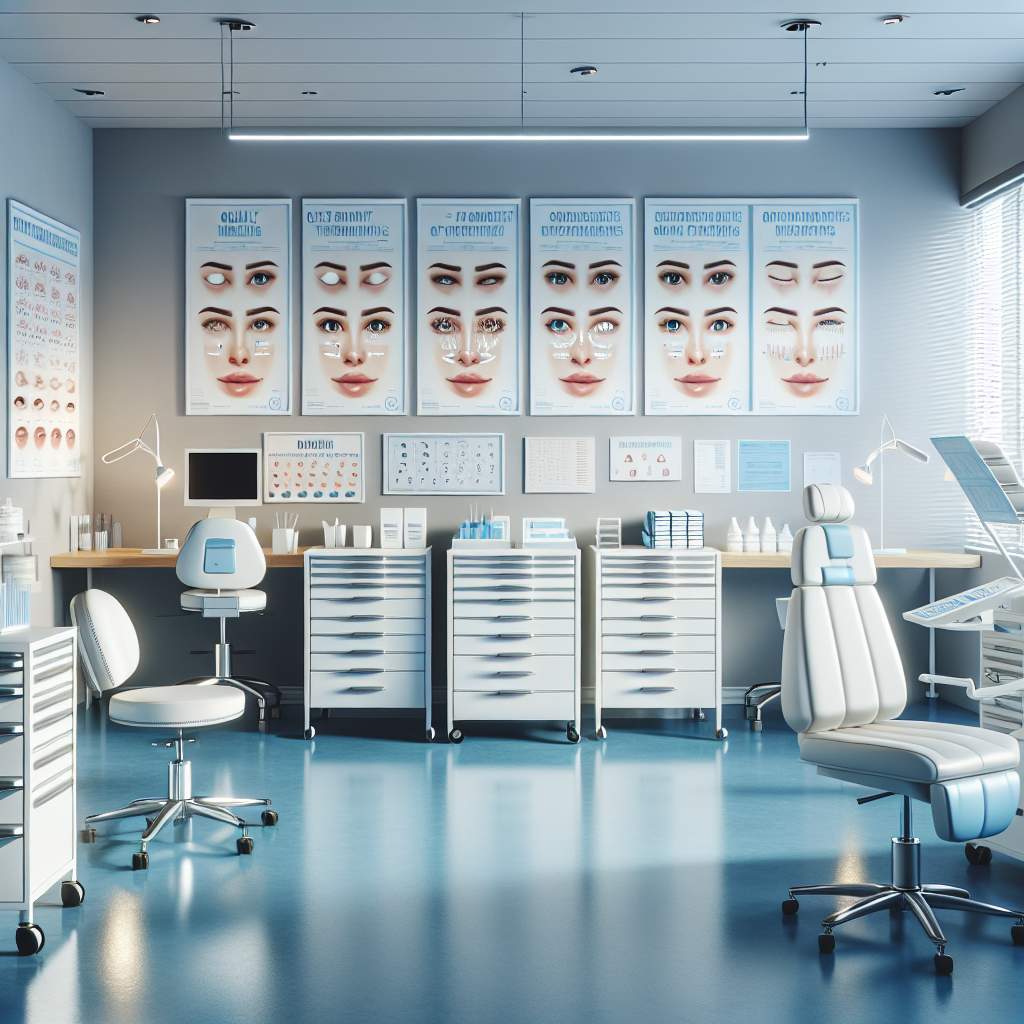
<point>734,537</point>
<point>785,538</point>
<point>769,543</point>
<point>751,536</point>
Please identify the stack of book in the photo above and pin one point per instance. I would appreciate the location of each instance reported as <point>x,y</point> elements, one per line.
<point>678,528</point>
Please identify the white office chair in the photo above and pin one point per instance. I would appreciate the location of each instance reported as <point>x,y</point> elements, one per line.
<point>109,649</point>
<point>842,689</point>
<point>222,562</point>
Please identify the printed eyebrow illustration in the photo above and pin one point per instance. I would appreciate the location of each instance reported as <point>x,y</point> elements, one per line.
<point>491,309</point>
<point>377,266</point>
<point>604,263</point>
<point>260,309</point>
<point>782,263</point>
<point>260,263</point>
<point>217,266</point>
<point>674,263</point>
<point>377,309</point>
<point>784,312</point>
<point>721,309</point>
<point>604,309</point>
<point>489,266</point>
<point>443,266</point>
<point>560,263</point>
<point>829,309</point>
<point>557,309</point>
<point>217,310</point>
<point>444,309</point>
<point>330,309</point>
<point>717,263</point>
<point>672,309</point>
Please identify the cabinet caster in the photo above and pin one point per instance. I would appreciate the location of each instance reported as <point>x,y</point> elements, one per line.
<point>978,855</point>
<point>722,734</point>
<point>309,733</point>
<point>455,736</point>
<point>790,906</point>
<point>269,818</point>
<point>431,735</point>
<point>244,844</point>
<point>601,733</point>
<point>826,942</point>
<point>30,939</point>
<point>140,861</point>
<point>572,735</point>
<point>1017,934</point>
<point>88,835</point>
<point>943,963</point>
<point>72,894</point>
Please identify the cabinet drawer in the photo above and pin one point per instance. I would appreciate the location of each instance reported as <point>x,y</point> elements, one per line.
<point>514,706</point>
<point>363,642</point>
<point>12,868</point>
<point>519,591</point>
<point>12,808</point>
<point>509,638</point>
<point>658,658</point>
<point>531,672</point>
<point>367,662</point>
<point>649,592</point>
<point>656,626</point>
<point>346,563</point>
<point>12,763</point>
<point>661,690</point>
<point>367,591</point>
<point>517,562</point>
<point>658,608</point>
<point>365,604</point>
<point>657,575</point>
<point>51,764</point>
<point>12,709</point>
<point>506,605</point>
<point>384,690</point>
<point>657,641</point>
<point>51,721</point>
<point>513,622</point>
<point>365,625</point>
<point>676,561</point>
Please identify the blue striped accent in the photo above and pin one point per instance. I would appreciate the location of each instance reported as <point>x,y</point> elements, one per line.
<point>839,540</point>
<point>837,576</point>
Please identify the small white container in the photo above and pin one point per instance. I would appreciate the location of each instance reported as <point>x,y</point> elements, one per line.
<point>362,536</point>
<point>283,540</point>
<point>734,538</point>
<point>751,537</point>
<point>785,540</point>
<point>769,542</point>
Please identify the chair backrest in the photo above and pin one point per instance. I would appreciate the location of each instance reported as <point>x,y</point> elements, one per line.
<point>107,642</point>
<point>840,663</point>
<point>221,554</point>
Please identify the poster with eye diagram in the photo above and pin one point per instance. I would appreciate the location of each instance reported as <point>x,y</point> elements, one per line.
<point>581,307</point>
<point>467,307</point>
<point>43,372</point>
<point>353,307</point>
<point>238,353</point>
<point>805,300</point>
<point>696,307</point>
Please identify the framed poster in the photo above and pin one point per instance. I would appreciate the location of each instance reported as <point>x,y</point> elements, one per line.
<point>467,307</point>
<point>238,352</point>
<point>353,307</point>
<point>43,359</point>
<point>696,307</point>
<point>326,469</point>
<point>645,459</point>
<point>444,463</point>
<point>581,307</point>
<point>805,293</point>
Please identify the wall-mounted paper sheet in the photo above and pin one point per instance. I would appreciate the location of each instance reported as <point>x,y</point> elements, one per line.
<point>558,465</point>
<point>712,467</point>
<point>763,466</point>
<point>325,469</point>
<point>645,459</point>
<point>823,468</point>
<point>444,464</point>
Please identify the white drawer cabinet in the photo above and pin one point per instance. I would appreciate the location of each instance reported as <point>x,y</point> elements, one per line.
<point>513,637</point>
<point>37,774</point>
<point>654,631</point>
<point>367,645</point>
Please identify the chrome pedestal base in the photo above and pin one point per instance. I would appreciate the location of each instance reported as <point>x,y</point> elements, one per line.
<point>268,696</point>
<point>756,698</point>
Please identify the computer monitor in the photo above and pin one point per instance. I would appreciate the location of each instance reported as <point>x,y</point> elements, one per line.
<point>223,477</point>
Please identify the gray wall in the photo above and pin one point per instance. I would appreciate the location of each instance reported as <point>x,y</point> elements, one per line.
<point>911,235</point>
<point>993,144</point>
<point>46,162</point>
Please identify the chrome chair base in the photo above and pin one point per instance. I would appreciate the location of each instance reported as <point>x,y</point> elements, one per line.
<point>756,698</point>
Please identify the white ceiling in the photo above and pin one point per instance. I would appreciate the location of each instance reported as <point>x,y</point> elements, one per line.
<point>672,64</point>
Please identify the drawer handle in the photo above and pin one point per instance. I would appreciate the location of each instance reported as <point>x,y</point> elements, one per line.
<point>12,691</point>
<point>367,636</point>
<point>9,662</point>
<point>657,689</point>
<point>510,675</point>
<point>53,794</point>
<point>658,636</point>
<point>656,618</point>
<point>658,600</point>
<point>9,785</point>
<point>55,756</point>
<point>62,696</point>
<point>656,671</point>
<point>360,671</point>
<point>9,832</point>
<point>360,654</point>
<point>364,689</point>
<point>509,654</point>
<point>511,693</point>
<point>511,618</point>
<point>42,723</point>
<point>360,618</point>
<point>513,636</point>
<point>654,654</point>
<point>12,730</point>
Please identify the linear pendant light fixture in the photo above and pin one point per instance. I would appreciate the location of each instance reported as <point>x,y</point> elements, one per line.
<point>520,134</point>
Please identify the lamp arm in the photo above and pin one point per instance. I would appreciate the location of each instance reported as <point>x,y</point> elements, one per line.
<point>122,451</point>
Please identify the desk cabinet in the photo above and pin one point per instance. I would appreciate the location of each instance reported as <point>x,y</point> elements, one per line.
<point>367,646</point>
<point>514,637</point>
<point>655,630</point>
<point>37,774</point>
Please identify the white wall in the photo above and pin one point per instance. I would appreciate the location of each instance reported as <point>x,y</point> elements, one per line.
<point>46,162</point>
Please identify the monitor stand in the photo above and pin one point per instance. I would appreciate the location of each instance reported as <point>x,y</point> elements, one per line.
<point>221,512</point>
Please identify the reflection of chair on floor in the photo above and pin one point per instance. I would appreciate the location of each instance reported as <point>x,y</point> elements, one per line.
<point>760,695</point>
<point>109,649</point>
<point>843,689</point>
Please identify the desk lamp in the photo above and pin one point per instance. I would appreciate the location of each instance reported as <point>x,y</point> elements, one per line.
<point>163,473</point>
<point>888,442</point>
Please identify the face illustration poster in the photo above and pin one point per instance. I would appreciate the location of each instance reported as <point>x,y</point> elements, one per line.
<point>696,307</point>
<point>353,307</point>
<point>581,307</point>
<point>805,290</point>
<point>237,307</point>
<point>467,307</point>
<point>43,372</point>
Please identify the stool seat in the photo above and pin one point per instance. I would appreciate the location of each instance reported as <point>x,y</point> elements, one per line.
<point>176,707</point>
<point>248,600</point>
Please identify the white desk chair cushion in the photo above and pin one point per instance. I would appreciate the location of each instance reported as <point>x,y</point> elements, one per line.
<point>176,707</point>
<point>221,554</point>
<point>248,600</point>
<point>107,641</point>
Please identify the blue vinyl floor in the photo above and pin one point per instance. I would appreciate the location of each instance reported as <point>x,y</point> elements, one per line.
<point>510,879</point>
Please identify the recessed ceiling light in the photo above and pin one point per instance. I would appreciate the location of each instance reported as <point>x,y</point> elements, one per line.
<point>948,92</point>
<point>894,19</point>
<point>800,24</point>
<point>147,19</point>
<point>796,92</point>
<point>230,92</point>
<point>236,24</point>
<point>310,92</point>
<point>583,70</point>
<point>91,92</point>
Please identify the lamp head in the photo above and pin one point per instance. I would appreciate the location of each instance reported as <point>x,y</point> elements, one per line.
<point>909,449</point>
<point>864,474</point>
<point>164,475</point>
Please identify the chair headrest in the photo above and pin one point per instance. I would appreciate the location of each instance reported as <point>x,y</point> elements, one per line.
<point>221,554</point>
<point>827,503</point>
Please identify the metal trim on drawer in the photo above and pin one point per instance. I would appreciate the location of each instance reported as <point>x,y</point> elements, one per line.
<point>50,671</point>
<point>346,618</point>
<point>7,692</point>
<point>55,756</point>
<point>657,671</point>
<point>10,660</point>
<point>52,720</point>
<point>359,654</point>
<point>506,654</point>
<point>9,785</point>
<point>512,675</point>
<point>512,636</point>
<point>657,689</point>
<point>9,832</point>
<point>364,689</point>
<point>368,671</point>
<point>12,730</point>
<point>509,693</point>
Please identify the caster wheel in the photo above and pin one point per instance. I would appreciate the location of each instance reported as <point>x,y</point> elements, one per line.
<point>826,942</point>
<point>602,733</point>
<point>722,734</point>
<point>978,855</point>
<point>790,907</point>
<point>1017,934</point>
<point>756,725</point>
<point>140,861</point>
<point>72,894</point>
<point>571,734</point>
<point>943,963</point>
<point>244,844</point>
<point>455,736</point>
<point>269,817</point>
<point>30,939</point>
<point>309,733</point>
<point>88,835</point>
<point>431,735</point>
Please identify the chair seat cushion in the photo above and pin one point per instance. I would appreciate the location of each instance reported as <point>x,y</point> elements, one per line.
<point>176,707</point>
<point>924,752</point>
<point>248,600</point>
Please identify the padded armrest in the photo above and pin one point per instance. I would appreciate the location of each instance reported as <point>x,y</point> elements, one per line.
<point>974,692</point>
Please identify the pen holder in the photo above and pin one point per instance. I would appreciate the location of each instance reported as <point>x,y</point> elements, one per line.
<point>334,536</point>
<point>362,536</point>
<point>283,541</point>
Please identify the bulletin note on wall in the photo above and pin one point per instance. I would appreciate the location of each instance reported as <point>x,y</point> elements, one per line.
<point>444,464</point>
<point>645,459</point>
<point>823,468</point>
<point>763,466</point>
<point>712,467</point>
<point>558,465</point>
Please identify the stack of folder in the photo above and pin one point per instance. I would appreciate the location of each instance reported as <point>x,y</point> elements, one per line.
<point>682,528</point>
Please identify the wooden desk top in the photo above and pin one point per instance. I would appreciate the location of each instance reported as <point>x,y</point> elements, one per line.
<point>133,558</point>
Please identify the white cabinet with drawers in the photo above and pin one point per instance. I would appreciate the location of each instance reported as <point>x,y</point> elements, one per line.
<point>514,637</point>
<point>367,648</point>
<point>37,774</point>
<point>655,631</point>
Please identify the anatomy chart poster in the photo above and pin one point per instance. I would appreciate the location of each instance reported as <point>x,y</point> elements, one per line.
<point>237,307</point>
<point>43,371</point>
<point>467,308</point>
<point>581,307</point>
<point>353,307</point>
<point>696,307</point>
<point>805,291</point>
